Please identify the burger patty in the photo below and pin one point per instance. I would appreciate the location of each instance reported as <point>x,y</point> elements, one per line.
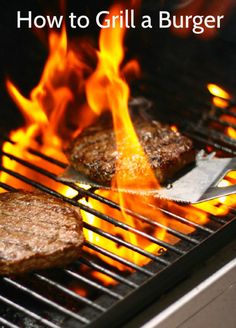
<point>37,231</point>
<point>94,152</point>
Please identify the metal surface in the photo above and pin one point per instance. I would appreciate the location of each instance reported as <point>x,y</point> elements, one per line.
<point>209,304</point>
<point>199,184</point>
<point>204,299</point>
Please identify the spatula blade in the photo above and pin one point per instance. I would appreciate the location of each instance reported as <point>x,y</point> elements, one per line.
<point>196,185</point>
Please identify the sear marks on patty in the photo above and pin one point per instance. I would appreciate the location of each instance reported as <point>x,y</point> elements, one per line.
<point>37,231</point>
<point>94,152</point>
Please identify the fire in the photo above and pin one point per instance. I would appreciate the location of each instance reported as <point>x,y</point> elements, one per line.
<point>47,112</point>
<point>107,90</point>
<point>217,91</point>
<point>219,102</point>
<point>38,121</point>
<point>221,99</point>
<point>70,95</point>
<point>174,128</point>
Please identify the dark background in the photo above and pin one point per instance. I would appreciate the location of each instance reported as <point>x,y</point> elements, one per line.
<point>175,70</point>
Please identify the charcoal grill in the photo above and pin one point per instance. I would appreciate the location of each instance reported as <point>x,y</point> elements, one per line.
<point>49,298</point>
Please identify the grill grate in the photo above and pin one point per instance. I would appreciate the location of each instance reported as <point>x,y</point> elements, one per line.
<point>74,296</point>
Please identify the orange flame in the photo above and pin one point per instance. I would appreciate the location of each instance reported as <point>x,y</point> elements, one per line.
<point>221,99</point>
<point>54,104</point>
<point>57,103</point>
<point>217,91</point>
<point>45,129</point>
<point>107,90</point>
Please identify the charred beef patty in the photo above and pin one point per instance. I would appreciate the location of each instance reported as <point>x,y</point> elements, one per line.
<point>37,231</point>
<point>94,153</point>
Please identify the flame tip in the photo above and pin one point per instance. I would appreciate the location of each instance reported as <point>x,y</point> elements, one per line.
<point>217,91</point>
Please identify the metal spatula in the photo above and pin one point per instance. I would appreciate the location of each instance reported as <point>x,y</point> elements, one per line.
<point>199,184</point>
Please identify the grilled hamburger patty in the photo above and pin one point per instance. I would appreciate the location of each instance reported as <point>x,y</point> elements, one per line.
<point>94,153</point>
<point>37,231</point>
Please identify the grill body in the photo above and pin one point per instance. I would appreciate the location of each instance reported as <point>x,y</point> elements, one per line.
<point>206,298</point>
<point>50,298</point>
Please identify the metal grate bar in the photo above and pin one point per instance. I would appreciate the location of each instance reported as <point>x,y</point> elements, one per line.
<point>222,122</point>
<point>118,258</point>
<point>168,229</point>
<point>7,187</point>
<point>28,312</point>
<point>47,301</point>
<point>97,230</point>
<point>37,153</point>
<point>218,220</point>
<point>102,199</point>
<point>93,284</point>
<point>116,239</point>
<point>109,202</point>
<point>107,272</point>
<point>6,323</point>
<point>141,217</point>
<point>126,244</point>
<point>215,135</point>
<point>47,158</point>
<point>106,201</point>
<point>186,221</point>
<point>102,216</point>
<point>211,143</point>
<point>69,292</point>
<point>32,166</point>
<point>226,110</point>
<point>129,228</point>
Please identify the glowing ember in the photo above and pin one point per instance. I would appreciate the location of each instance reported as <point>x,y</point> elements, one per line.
<point>221,206</point>
<point>221,99</point>
<point>219,102</point>
<point>217,91</point>
<point>174,128</point>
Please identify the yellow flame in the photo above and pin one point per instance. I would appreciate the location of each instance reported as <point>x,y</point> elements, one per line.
<point>219,102</point>
<point>217,91</point>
